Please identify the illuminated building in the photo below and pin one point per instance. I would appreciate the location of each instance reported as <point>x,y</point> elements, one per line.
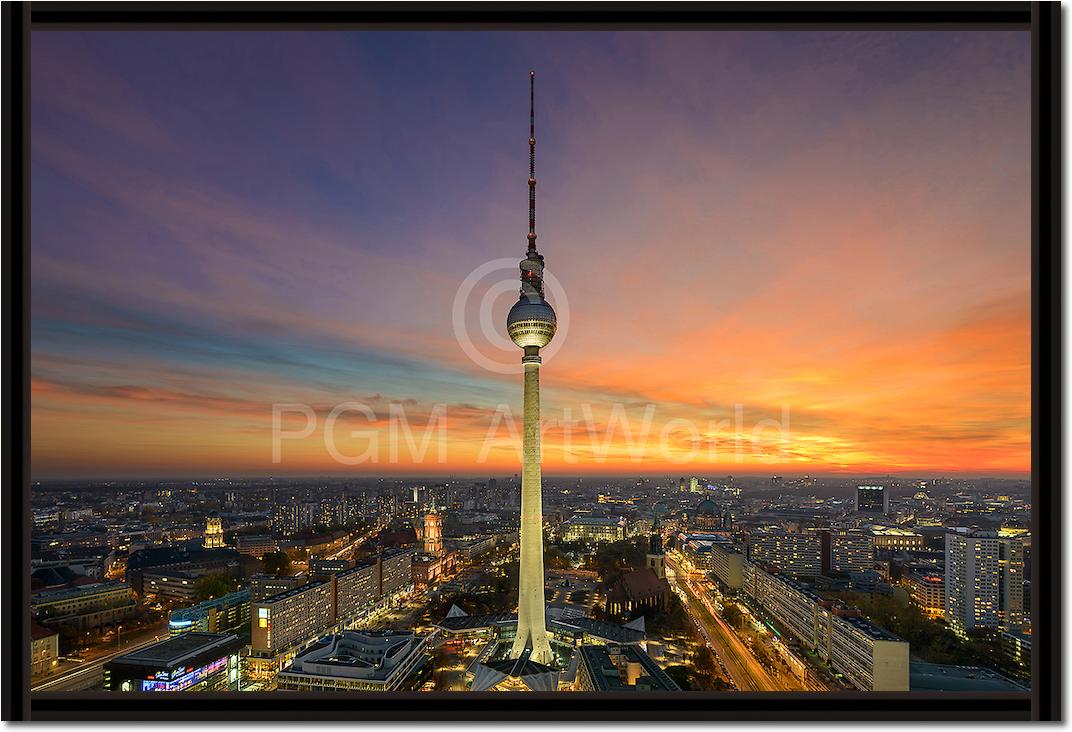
<point>84,606</point>
<point>619,668</point>
<point>213,532</point>
<point>356,589</point>
<point>891,538</point>
<point>321,567</point>
<point>44,649</point>
<point>927,590</point>
<point>434,563</point>
<point>868,657</point>
<point>229,613</point>
<point>844,552</point>
<point>872,499</point>
<point>256,546</point>
<point>177,583</point>
<point>531,324</point>
<point>593,529</point>
<point>637,590</point>
<point>706,516</point>
<point>394,572</point>
<point>372,660</point>
<point>187,662</point>
<point>984,581</point>
<point>433,532</point>
<point>263,586</point>
<point>285,623</point>
<point>727,564</point>
<point>793,552</point>
<point>1017,646</point>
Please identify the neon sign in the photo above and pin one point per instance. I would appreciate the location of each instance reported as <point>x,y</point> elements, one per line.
<point>186,680</point>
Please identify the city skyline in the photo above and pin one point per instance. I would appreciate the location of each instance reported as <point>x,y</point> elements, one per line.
<point>830,222</point>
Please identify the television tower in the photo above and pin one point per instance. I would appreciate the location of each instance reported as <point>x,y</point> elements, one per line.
<point>531,325</point>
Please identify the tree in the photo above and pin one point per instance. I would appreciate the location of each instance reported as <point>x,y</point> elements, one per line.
<point>276,563</point>
<point>555,558</point>
<point>212,586</point>
<point>683,676</point>
<point>612,560</point>
<point>733,615</point>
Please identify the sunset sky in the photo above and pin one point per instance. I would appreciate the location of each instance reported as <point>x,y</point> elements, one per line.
<point>829,226</point>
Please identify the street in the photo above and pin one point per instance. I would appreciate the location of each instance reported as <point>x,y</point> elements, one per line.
<point>743,667</point>
<point>73,676</point>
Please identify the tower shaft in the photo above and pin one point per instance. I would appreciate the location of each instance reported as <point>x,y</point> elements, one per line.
<point>531,621</point>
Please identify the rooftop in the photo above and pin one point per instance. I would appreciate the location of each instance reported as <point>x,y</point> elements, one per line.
<point>291,592</point>
<point>177,649</point>
<point>939,677</point>
<point>871,630</point>
<point>605,669</point>
<point>79,591</point>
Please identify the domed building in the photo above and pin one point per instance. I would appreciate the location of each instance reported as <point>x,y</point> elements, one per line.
<point>706,516</point>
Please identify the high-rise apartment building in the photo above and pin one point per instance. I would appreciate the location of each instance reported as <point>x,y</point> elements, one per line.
<point>797,553</point>
<point>846,551</point>
<point>984,581</point>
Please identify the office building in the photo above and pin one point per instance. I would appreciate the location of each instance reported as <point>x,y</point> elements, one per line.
<point>172,584</point>
<point>84,607</point>
<point>187,662</point>
<point>226,614</point>
<point>872,499</point>
<point>356,661</point>
<point>727,564</point>
<point>1017,647</point>
<point>321,567</point>
<point>263,586</point>
<point>256,545</point>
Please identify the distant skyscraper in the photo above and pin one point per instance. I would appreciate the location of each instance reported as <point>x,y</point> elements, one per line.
<point>984,581</point>
<point>213,532</point>
<point>531,325</point>
<point>872,499</point>
<point>681,485</point>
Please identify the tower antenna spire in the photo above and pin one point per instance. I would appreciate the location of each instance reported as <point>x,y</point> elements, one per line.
<point>532,162</point>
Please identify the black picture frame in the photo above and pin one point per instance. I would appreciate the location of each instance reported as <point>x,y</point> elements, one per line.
<point>1044,701</point>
